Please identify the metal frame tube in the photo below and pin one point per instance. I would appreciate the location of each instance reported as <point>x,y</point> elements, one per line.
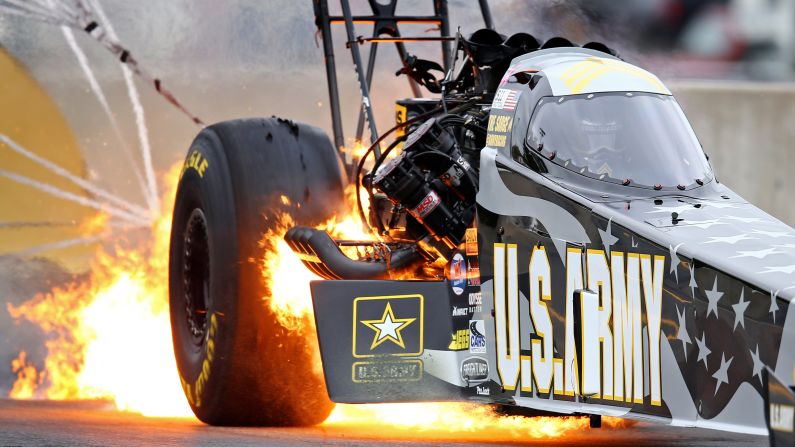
<point>440,9</point>
<point>487,18</point>
<point>331,77</point>
<point>357,62</point>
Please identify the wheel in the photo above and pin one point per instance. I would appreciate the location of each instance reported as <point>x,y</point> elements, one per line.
<point>237,364</point>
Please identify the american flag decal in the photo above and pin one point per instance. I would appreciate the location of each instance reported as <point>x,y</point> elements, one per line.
<point>506,99</point>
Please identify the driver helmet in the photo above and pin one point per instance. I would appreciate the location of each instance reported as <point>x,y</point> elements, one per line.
<point>600,150</point>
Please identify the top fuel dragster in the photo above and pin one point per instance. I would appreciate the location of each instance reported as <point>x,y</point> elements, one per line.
<point>569,247</point>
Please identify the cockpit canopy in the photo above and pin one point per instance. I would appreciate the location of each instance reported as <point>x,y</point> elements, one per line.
<point>632,138</point>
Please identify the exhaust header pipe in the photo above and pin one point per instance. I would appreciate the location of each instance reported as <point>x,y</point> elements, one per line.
<point>322,255</point>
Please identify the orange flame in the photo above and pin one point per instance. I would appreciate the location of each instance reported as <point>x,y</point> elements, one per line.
<point>27,377</point>
<point>109,338</point>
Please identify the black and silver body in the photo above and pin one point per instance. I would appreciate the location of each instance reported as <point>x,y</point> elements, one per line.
<point>574,253</point>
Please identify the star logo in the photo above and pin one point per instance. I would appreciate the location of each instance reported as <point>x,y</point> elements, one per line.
<point>703,350</point>
<point>713,296</point>
<point>773,304</point>
<point>758,254</point>
<point>675,261</point>
<point>390,325</point>
<point>607,236</point>
<point>773,234</point>
<point>739,310</point>
<point>682,334</point>
<point>729,239</point>
<point>788,269</point>
<point>759,365</point>
<point>722,374</point>
<point>388,328</point>
<point>744,219</point>
<point>679,209</point>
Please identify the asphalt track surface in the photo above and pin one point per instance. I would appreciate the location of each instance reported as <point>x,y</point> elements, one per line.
<point>96,424</point>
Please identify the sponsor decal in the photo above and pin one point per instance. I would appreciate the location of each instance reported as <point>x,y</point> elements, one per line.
<point>428,204</point>
<point>195,161</point>
<point>400,118</point>
<point>483,391</point>
<point>473,272</point>
<point>627,295</point>
<point>460,340</point>
<point>475,302</point>
<point>474,370</point>
<point>388,326</point>
<point>460,311</point>
<point>782,417</point>
<point>194,390</point>
<point>477,337</point>
<point>580,75</point>
<point>499,127</point>
<point>387,371</point>
<point>506,99</point>
<point>471,242</point>
<point>458,274</point>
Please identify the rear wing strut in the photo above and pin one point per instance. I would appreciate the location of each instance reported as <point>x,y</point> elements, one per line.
<point>386,25</point>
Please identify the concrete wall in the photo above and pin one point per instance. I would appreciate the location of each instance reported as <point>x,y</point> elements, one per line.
<point>748,130</point>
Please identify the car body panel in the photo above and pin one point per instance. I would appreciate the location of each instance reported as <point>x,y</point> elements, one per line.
<point>688,290</point>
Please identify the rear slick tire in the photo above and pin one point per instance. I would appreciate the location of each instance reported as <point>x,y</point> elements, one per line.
<point>238,366</point>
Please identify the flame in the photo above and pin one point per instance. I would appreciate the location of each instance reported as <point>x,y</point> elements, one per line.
<point>454,421</point>
<point>96,224</point>
<point>109,338</point>
<point>27,377</point>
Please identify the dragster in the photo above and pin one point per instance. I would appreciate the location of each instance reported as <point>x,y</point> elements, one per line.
<point>549,237</point>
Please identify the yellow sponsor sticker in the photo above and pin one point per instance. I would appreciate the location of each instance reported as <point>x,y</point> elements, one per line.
<point>197,162</point>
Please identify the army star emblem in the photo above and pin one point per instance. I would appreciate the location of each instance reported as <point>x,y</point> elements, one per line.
<point>388,328</point>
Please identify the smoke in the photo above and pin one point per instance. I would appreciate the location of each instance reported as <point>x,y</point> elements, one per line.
<point>20,280</point>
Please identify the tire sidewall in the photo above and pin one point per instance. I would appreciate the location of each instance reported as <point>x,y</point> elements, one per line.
<point>201,368</point>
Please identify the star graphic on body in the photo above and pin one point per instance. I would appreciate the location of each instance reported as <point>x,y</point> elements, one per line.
<point>675,261</point>
<point>682,334</point>
<point>789,269</point>
<point>388,328</point>
<point>671,209</point>
<point>773,304</point>
<point>758,254</point>
<point>607,236</point>
<point>705,224</point>
<point>693,285</point>
<point>773,234</point>
<point>722,374</point>
<point>721,205</point>
<point>744,219</point>
<point>703,350</point>
<point>713,296</point>
<point>758,364</point>
<point>739,310</point>
<point>728,239</point>
<point>635,244</point>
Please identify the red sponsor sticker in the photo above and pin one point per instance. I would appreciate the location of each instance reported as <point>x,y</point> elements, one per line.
<point>428,204</point>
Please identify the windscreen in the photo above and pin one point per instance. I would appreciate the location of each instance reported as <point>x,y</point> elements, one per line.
<point>640,139</point>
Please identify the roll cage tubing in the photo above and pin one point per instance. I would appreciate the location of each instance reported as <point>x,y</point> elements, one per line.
<point>385,24</point>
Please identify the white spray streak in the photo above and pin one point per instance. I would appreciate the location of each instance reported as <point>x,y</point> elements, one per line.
<point>66,195</point>
<point>59,245</point>
<point>140,121</point>
<point>100,95</point>
<point>85,184</point>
